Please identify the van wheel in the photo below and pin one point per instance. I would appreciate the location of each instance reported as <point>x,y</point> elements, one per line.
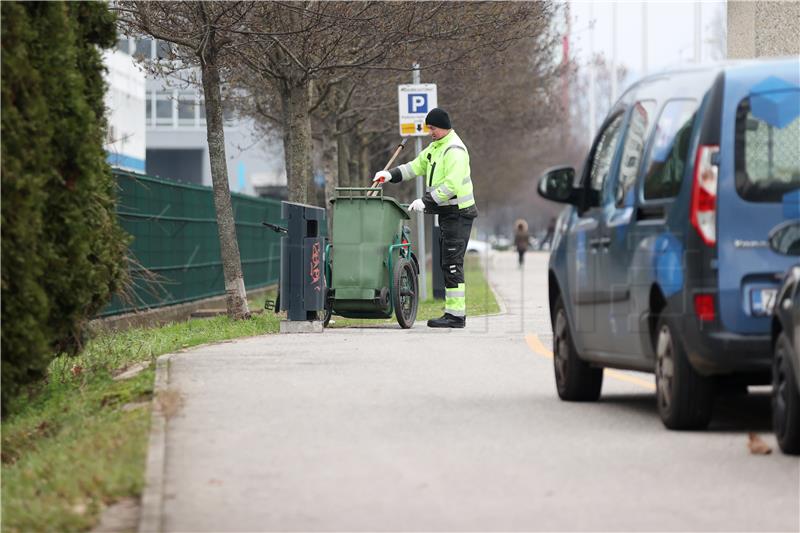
<point>785,399</point>
<point>576,380</point>
<point>685,398</point>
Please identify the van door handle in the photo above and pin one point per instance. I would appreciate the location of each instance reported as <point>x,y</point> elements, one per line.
<point>598,242</point>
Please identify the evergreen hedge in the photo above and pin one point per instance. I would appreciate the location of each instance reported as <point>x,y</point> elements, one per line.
<point>63,252</point>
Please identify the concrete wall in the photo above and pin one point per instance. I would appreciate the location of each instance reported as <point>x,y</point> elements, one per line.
<point>763,29</point>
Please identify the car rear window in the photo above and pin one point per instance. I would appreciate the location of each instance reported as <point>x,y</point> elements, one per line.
<point>768,146</point>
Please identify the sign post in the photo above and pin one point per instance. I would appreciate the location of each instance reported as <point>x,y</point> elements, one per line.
<point>413,102</point>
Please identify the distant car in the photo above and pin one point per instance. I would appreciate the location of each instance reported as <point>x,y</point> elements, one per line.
<point>478,247</point>
<point>786,344</point>
<point>501,243</point>
<point>660,262</point>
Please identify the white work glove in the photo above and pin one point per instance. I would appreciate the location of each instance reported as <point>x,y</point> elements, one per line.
<point>417,205</point>
<point>382,177</point>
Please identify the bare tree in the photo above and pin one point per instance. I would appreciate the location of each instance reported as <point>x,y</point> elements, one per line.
<point>201,33</point>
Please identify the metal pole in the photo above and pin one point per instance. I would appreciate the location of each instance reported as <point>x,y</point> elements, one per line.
<point>613,53</point>
<point>592,117</point>
<point>698,23</point>
<point>644,38</point>
<point>423,268</point>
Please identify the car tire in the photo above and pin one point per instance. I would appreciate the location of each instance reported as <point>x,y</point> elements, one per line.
<point>785,398</point>
<point>576,380</point>
<point>685,398</point>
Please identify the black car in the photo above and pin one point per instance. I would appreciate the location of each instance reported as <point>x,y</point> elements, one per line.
<point>786,344</point>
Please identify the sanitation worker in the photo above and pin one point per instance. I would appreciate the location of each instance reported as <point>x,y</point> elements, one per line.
<point>445,166</point>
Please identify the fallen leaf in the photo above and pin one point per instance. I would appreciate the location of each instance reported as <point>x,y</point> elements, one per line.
<point>77,370</point>
<point>757,446</point>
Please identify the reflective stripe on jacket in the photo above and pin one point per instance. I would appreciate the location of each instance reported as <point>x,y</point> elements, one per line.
<point>445,166</point>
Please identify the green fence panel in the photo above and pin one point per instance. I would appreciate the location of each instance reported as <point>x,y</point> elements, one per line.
<point>175,249</point>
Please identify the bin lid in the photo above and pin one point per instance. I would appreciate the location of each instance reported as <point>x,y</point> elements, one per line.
<point>391,200</point>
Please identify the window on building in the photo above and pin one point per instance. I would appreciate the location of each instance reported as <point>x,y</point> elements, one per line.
<point>666,158</point>
<point>123,45</point>
<point>186,109</point>
<point>164,103</point>
<point>163,49</point>
<point>149,108</point>
<point>143,48</point>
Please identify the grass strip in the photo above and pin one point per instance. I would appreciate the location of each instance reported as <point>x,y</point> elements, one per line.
<point>480,300</point>
<point>69,449</point>
<point>73,445</point>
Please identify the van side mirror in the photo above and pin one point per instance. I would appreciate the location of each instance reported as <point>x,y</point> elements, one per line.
<point>785,238</point>
<point>555,184</point>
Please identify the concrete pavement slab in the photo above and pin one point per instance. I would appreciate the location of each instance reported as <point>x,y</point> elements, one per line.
<point>384,429</point>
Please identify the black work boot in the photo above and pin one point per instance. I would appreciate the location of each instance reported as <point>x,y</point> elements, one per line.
<point>448,321</point>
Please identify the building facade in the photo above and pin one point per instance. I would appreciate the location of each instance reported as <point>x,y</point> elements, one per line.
<point>170,120</point>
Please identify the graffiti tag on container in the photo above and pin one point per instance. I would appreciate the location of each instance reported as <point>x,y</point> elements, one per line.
<point>315,272</point>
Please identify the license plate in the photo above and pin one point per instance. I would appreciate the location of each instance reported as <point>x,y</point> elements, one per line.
<point>762,301</point>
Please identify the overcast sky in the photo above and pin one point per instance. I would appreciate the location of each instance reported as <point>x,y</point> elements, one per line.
<point>669,31</point>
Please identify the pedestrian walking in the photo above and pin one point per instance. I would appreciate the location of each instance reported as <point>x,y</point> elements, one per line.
<point>521,239</point>
<point>444,164</point>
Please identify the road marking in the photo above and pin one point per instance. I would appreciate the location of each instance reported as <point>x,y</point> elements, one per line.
<point>538,348</point>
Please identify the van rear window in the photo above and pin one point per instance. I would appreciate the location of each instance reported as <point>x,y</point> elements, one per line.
<point>768,146</point>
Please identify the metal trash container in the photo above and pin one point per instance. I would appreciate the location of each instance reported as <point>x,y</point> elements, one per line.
<point>302,281</point>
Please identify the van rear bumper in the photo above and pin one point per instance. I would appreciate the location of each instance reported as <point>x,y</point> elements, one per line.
<point>721,352</point>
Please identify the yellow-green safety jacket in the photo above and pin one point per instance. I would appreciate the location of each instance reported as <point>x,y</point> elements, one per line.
<point>445,166</point>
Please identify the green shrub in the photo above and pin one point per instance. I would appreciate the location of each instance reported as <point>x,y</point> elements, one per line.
<point>62,248</point>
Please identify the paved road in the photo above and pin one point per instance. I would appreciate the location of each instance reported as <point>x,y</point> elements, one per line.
<point>383,429</point>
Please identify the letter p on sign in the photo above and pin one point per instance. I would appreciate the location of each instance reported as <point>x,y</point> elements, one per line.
<point>418,103</point>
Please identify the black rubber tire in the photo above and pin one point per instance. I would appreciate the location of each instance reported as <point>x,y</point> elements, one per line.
<point>785,398</point>
<point>405,293</point>
<point>685,398</point>
<point>326,315</point>
<point>576,380</point>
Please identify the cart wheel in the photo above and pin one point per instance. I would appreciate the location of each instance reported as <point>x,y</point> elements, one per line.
<point>404,293</point>
<point>326,314</point>
<point>328,309</point>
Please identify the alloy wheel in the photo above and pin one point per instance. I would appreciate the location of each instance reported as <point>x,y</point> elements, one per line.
<point>561,348</point>
<point>665,367</point>
<point>780,394</point>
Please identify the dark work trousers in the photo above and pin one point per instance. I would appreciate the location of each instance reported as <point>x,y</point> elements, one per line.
<point>455,230</point>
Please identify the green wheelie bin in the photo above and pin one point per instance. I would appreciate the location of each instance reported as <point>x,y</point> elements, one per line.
<point>370,269</point>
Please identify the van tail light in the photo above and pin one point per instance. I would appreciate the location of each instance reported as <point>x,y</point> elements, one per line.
<point>704,194</point>
<point>704,307</point>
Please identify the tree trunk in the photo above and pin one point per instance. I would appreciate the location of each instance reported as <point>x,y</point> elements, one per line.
<point>331,181</point>
<point>235,294</point>
<point>363,161</point>
<point>342,156</point>
<point>297,139</point>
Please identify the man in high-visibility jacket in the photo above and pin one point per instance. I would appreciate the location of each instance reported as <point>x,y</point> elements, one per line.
<point>445,166</point>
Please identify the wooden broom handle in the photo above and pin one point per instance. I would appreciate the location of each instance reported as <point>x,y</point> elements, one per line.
<point>389,164</point>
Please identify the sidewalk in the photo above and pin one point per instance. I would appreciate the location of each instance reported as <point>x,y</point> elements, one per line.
<point>380,428</point>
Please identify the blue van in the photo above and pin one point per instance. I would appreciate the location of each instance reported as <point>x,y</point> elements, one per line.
<point>661,262</point>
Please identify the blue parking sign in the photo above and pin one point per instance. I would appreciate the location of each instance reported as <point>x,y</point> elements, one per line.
<point>417,103</point>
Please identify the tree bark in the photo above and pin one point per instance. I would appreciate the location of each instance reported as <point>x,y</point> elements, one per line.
<point>342,156</point>
<point>331,181</point>
<point>363,161</point>
<point>297,139</point>
<point>235,294</point>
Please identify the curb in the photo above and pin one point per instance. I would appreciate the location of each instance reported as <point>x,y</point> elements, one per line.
<point>153,494</point>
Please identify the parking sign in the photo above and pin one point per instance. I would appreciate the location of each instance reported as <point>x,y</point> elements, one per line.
<point>414,101</point>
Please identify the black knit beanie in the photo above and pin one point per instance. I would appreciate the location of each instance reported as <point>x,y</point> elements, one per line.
<point>439,118</point>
